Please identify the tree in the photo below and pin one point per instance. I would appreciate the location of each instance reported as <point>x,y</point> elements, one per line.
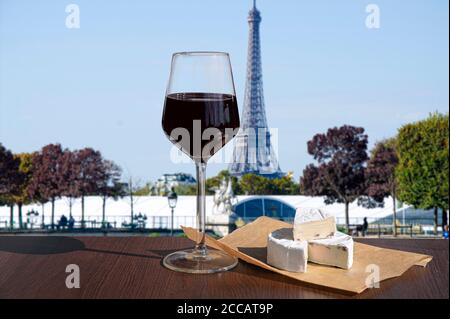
<point>70,184</point>
<point>26,171</point>
<point>47,178</point>
<point>341,154</point>
<point>130,188</point>
<point>284,186</point>
<point>110,186</point>
<point>10,179</point>
<point>381,176</point>
<point>146,190</point>
<point>252,184</point>
<point>89,174</point>
<point>423,172</point>
<point>186,190</point>
<point>213,183</point>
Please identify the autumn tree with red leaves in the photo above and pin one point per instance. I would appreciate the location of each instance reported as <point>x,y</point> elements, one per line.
<point>89,174</point>
<point>339,175</point>
<point>47,181</point>
<point>381,176</point>
<point>10,180</point>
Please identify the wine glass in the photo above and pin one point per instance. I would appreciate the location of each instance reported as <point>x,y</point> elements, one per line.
<point>200,116</point>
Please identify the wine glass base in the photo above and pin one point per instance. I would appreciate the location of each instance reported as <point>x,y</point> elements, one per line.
<point>189,261</point>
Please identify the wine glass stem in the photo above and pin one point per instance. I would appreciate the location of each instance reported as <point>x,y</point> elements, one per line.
<point>200,248</point>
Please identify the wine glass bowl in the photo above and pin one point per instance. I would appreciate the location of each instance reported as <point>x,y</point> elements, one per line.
<point>200,124</point>
<point>200,116</point>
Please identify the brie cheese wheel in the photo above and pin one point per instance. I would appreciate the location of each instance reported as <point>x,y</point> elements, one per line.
<point>312,223</point>
<point>336,251</point>
<point>283,252</point>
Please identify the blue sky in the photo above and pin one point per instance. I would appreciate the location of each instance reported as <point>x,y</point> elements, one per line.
<point>103,85</point>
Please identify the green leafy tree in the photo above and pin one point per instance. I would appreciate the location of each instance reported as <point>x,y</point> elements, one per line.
<point>252,184</point>
<point>21,197</point>
<point>284,186</point>
<point>214,183</point>
<point>186,190</point>
<point>258,185</point>
<point>423,171</point>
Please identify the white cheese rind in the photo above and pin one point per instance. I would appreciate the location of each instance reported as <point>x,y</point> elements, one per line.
<point>336,251</point>
<point>304,215</point>
<point>283,252</point>
<point>312,223</point>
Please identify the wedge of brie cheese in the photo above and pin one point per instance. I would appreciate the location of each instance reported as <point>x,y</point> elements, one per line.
<point>311,223</point>
<point>283,252</point>
<point>336,251</point>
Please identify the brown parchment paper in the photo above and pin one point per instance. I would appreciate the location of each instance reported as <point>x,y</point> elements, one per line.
<point>249,244</point>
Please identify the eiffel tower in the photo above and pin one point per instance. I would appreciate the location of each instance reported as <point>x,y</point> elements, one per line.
<point>253,151</point>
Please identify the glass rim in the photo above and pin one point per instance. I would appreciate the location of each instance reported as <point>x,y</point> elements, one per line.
<point>201,53</point>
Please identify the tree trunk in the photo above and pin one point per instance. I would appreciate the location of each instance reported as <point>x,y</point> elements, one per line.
<point>131,202</point>
<point>104,212</point>
<point>43,215</point>
<point>11,217</point>
<point>132,207</point>
<point>444,218</point>
<point>347,217</point>
<point>436,213</point>
<point>82,211</point>
<point>20,215</point>
<point>70,206</point>
<point>394,224</point>
<point>53,213</point>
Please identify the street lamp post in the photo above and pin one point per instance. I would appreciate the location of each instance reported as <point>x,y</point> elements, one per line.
<point>172,198</point>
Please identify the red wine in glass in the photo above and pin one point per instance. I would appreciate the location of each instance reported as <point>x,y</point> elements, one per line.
<point>198,113</point>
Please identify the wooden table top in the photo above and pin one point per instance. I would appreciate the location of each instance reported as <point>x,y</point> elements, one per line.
<point>131,267</point>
